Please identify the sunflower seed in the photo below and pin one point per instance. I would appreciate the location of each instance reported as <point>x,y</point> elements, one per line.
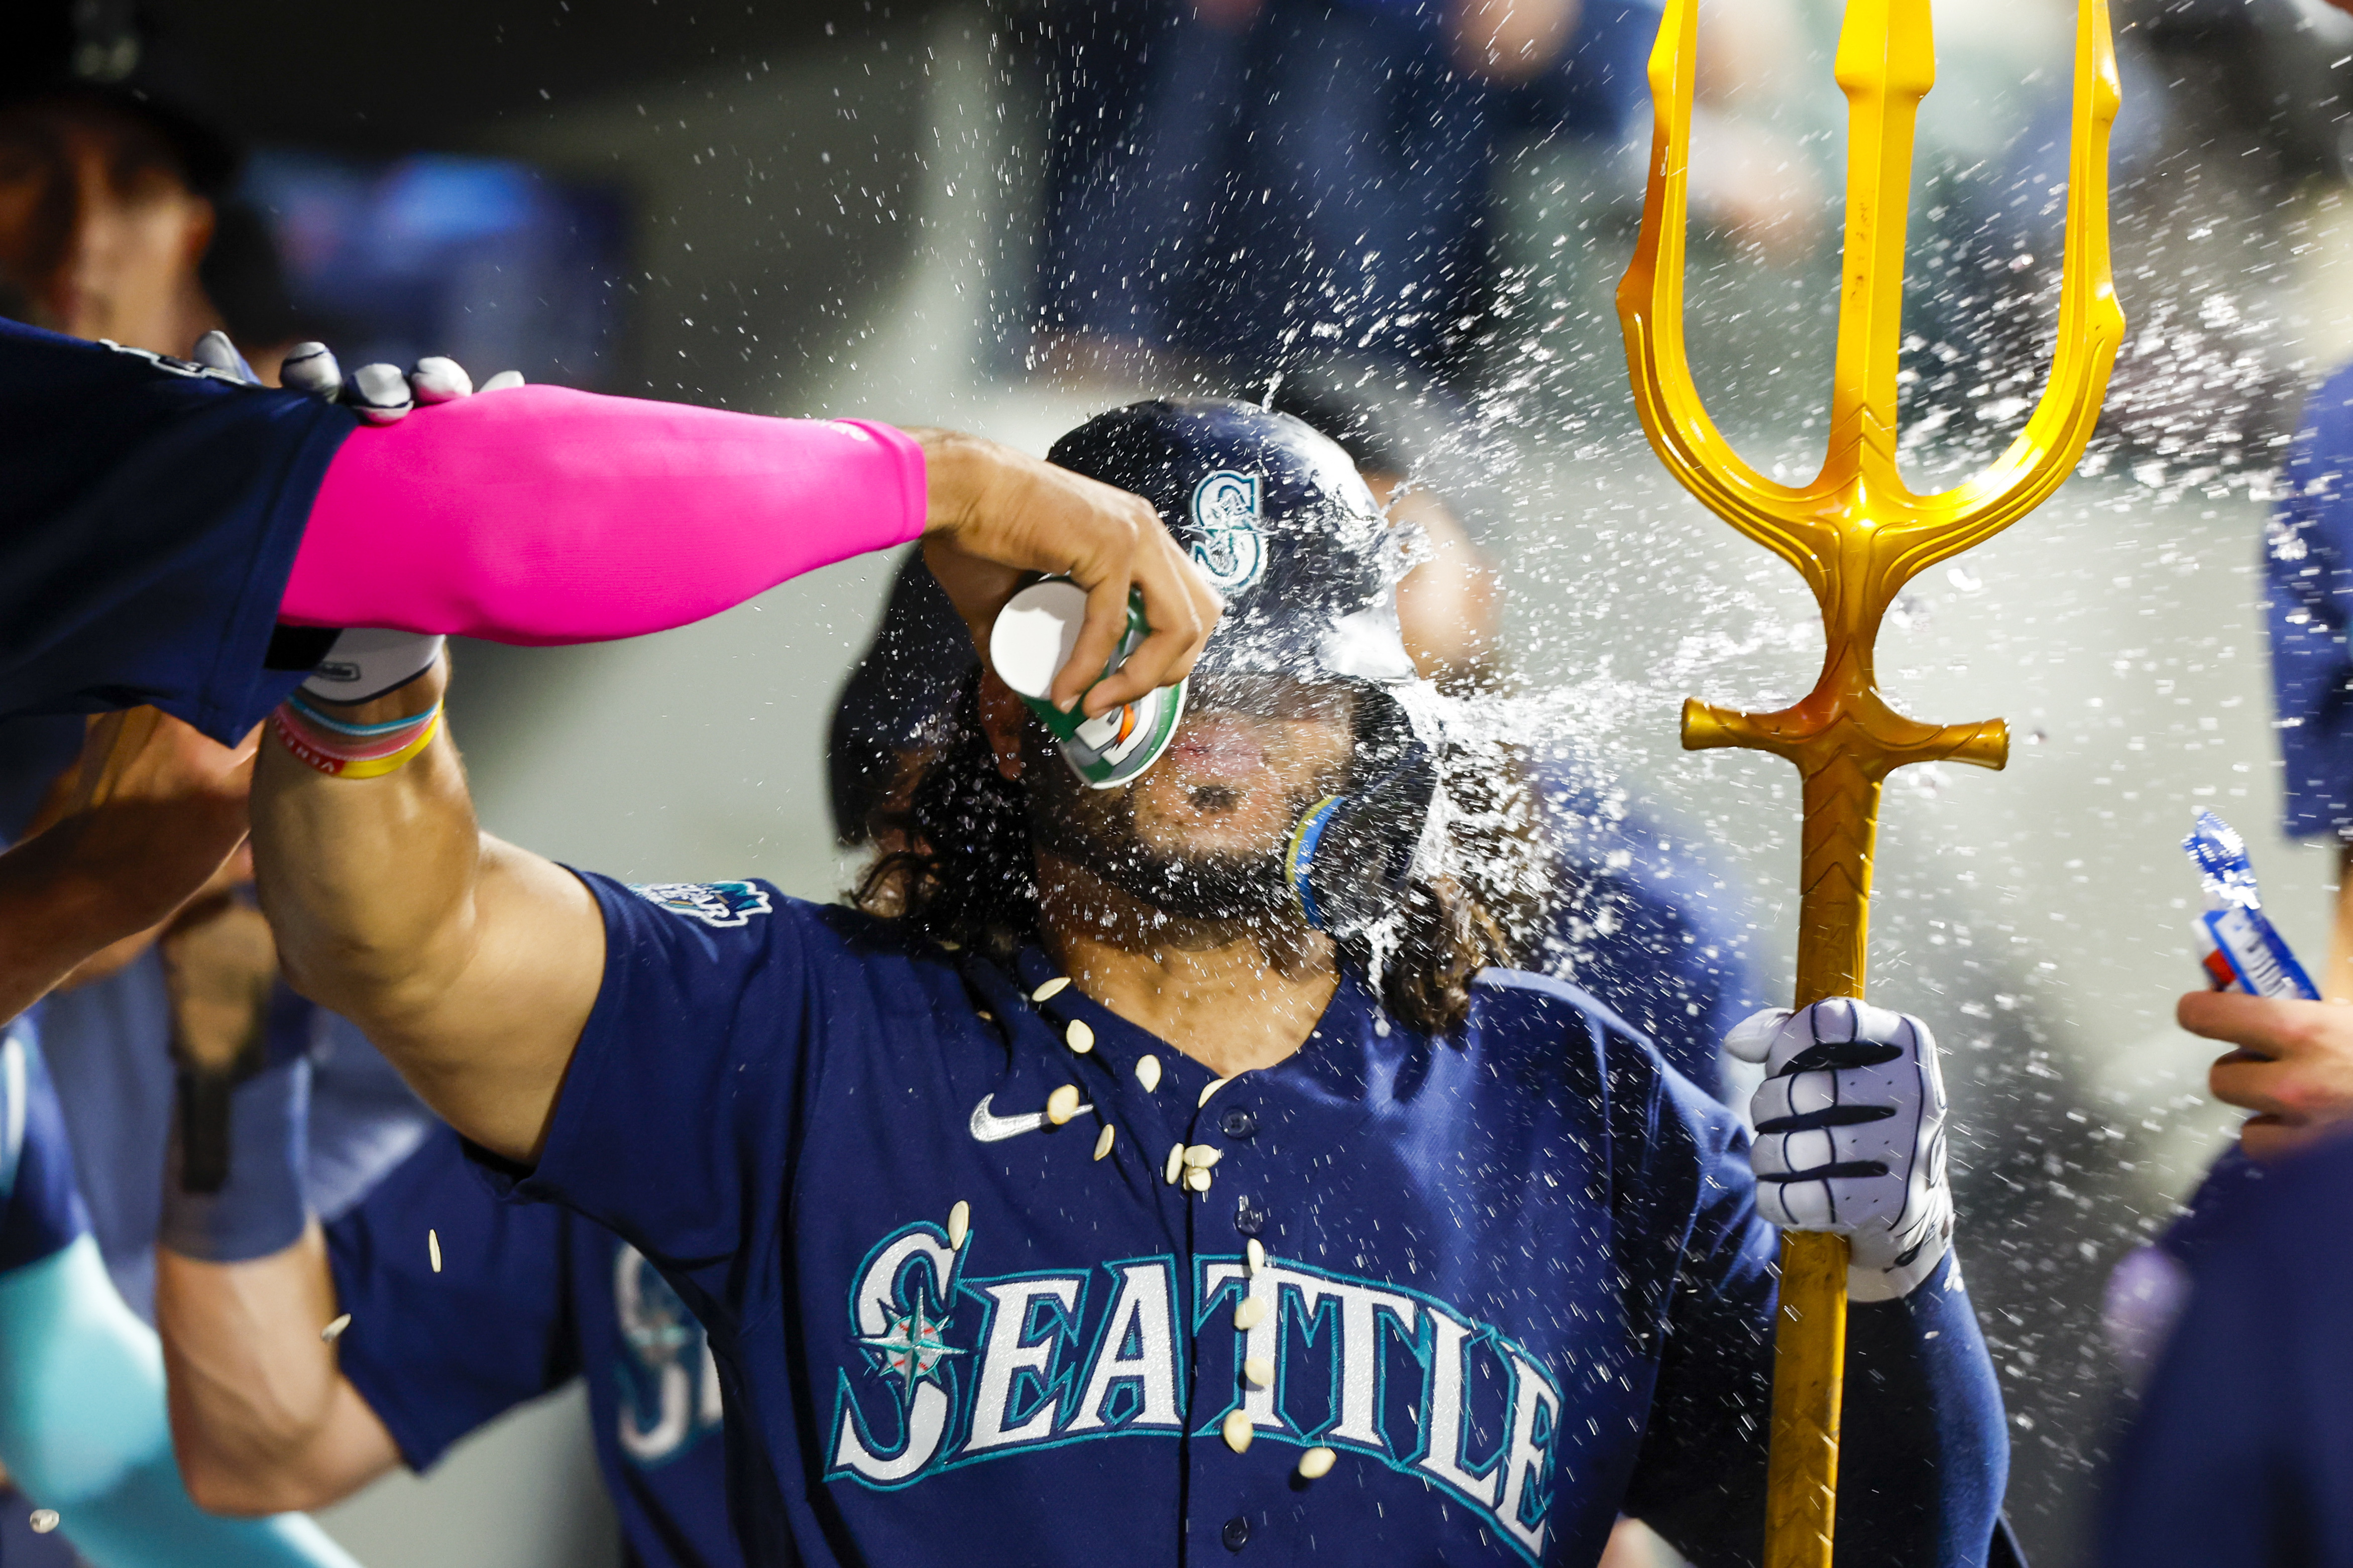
<point>1082,1038</point>
<point>1051,989</point>
<point>959,1225</point>
<point>1316,1463</point>
<point>1147,1072</point>
<point>1237,1431</point>
<point>1102,1140</point>
<point>1062,1104</point>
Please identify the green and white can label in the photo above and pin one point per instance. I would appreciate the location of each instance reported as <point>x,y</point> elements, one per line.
<point>1031,640</point>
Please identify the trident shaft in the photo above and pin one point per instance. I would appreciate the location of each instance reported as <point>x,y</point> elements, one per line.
<point>1857,533</point>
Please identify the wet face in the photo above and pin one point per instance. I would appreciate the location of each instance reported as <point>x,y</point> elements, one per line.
<point>1202,833</point>
<point>100,235</point>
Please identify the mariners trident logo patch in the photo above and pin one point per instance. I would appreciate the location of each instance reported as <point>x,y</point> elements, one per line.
<point>1228,545</point>
<point>714,903</point>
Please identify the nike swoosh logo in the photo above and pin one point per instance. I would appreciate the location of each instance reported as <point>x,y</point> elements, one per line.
<point>995,1129</point>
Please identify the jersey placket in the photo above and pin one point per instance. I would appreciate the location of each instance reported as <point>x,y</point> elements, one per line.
<point>1230,1167</point>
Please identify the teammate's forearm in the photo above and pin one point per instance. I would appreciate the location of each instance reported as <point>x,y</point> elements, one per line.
<point>262,1419</point>
<point>53,918</point>
<point>541,515</point>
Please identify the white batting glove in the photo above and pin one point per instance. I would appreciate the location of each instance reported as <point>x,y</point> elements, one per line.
<point>379,393</point>
<point>1851,1136</point>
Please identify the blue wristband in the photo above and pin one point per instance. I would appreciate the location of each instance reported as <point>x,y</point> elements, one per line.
<point>261,1209</point>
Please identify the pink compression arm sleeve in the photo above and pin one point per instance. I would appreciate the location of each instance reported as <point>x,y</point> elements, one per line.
<point>539,515</point>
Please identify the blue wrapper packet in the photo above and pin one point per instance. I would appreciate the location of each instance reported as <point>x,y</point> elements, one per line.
<point>2237,945</point>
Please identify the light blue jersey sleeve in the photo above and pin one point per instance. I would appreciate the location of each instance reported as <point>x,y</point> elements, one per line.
<point>83,1431</point>
<point>83,1428</point>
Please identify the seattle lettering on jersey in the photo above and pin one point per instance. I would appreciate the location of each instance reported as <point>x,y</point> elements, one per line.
<point>951,1367</point>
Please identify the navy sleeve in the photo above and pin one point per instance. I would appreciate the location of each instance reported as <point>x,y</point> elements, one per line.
<point>2243,1451</point>
<point>2308,576</point>
<point>150,520</point>
<point>43,1207</point>
<point>437,1354</point>
<point>1924,1453</point>
<point>677,1125</point>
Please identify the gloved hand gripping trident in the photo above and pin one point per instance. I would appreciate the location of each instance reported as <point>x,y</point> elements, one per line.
<point>1857,533</point>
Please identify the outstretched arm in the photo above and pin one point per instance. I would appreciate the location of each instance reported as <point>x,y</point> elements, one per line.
<point>541,515</point>
<point>262,1417</point>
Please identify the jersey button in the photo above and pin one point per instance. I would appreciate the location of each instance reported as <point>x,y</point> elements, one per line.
<point>1240,1123</point>
<point>1248,1220</point>
<point>1236,1535</point>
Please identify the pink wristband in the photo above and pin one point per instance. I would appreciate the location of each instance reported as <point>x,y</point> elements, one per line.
<point>539,515</point>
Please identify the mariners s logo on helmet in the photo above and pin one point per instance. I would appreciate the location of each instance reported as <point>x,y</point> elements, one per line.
<point>1227,545</point>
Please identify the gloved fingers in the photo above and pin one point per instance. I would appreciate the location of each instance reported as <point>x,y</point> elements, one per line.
<point>501,382</point>
<point>380,393</point>
<point>439,380</point>
<point>1842,1033</point>
<point>1796,1206</point>
<point>312,368</point>
<point>215,351</point>
<point>1751,1039</point>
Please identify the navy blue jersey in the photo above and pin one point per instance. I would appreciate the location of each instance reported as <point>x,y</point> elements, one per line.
<point>2309,570</point>
<point>2243,1453</point>
<point>41,1208</point>
<point>1514,1279</point>
<point>150,519</point>
<point>529,1297</point>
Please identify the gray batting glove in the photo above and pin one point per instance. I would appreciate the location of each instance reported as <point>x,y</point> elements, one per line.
<point>1851,1136</point>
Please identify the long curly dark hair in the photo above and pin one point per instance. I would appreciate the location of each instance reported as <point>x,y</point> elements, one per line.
<point>966,874</point>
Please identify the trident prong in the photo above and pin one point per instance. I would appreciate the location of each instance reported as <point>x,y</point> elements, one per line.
<point>1856,534</point>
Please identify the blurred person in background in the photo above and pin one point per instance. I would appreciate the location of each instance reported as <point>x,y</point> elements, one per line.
<point>1261,185</point>
<point>115,216</point>
<point>2240,1449</point>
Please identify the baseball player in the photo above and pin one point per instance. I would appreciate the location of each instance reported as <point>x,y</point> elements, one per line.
<point>1104,1201</point>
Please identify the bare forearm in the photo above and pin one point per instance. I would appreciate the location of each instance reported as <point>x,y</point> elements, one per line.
<point>262,1418</point>
<point>53,919</point>
<point>470,964</point>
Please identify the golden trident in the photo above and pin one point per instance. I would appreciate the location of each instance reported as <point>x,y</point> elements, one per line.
<point>1856,534</point>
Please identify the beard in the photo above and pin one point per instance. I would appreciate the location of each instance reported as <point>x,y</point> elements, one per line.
<point>1095,829</point>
